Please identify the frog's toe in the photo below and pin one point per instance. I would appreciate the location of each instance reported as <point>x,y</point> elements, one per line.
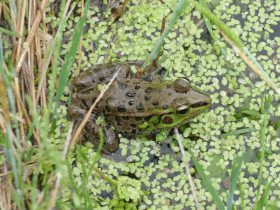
<point>111,141</point>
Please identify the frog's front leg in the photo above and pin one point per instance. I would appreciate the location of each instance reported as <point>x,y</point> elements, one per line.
<point>91,133</point>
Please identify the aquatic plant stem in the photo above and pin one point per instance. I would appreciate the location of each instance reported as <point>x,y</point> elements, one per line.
<point>262,136</point>
<point>182,5</point>
<point>187,169</point>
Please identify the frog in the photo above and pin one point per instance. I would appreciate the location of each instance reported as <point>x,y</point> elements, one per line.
<point>133,105</point>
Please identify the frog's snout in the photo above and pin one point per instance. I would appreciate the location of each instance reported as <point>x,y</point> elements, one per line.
<point>199,99</point>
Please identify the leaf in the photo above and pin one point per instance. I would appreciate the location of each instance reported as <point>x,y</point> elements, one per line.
<point>238,132</point>
<point>264,198</point>
<point>207,184</point>
<point>235,171</point>
<point>70,57</point>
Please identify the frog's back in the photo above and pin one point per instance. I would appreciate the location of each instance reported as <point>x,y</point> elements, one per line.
<point>138,97</point>
<point>102,74</point>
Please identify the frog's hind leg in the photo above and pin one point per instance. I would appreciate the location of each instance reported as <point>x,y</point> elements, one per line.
<point>112,142</point>
<point>91,133</point>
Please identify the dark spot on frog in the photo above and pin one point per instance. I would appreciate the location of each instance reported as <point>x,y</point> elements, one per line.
<point>147,98</point>
<point>117,119</point>
<point>125,133</point>
<point>137,86</point>
<point>121,108</point>
<point>101,79</point>
<point>199,104</point>
<point>148,118</point>
<point>167,120</point>
<point>133,131</point>
<point>130,103</point>
<point>133,125</point>
<point>165,106</point>
<point>138,118</point>
<point>149,90</point>
<point>125,117</point>
<point>140,108</point>
<point>122,85</point>
<point>107,108</point>
<point>155,103</point>
<point>130,94</point>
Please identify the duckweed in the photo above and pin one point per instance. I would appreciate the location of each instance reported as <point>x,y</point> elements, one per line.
<point>187,52</point>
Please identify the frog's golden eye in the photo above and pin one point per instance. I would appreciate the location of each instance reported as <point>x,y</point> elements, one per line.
<point>183,109</point>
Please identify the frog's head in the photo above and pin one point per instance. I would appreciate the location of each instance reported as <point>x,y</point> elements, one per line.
<point>186,102</point>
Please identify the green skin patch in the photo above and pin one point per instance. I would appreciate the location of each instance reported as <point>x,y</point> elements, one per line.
<point>170,120</point>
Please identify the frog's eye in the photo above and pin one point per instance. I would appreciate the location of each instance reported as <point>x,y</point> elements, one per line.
<point>183,110</point>
<point>182,85</point>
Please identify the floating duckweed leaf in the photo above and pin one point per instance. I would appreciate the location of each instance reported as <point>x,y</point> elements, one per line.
<point>129,189</point>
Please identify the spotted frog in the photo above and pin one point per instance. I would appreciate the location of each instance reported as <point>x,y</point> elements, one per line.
<point>133,105</point>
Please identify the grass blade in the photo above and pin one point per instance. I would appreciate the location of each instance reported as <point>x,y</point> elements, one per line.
<point>234,175</point>
<point>54,44</point>
<point>207,184</point>
<point>236,43</point>
<point>222,27</point>
<point>70,57</point>
<point>6,95</point>
<point>207,22</point>
<point>8,32</point>
<point>182,5</point>
<point>263,130</point>
<point>262,203</point>
<point>241,191</point>
<point>252,62</point>
<point>238,132</point>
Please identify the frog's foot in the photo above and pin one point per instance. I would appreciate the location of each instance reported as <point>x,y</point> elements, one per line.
<point>154,72</point>
<point>75,112</point>
<point>111,143</point>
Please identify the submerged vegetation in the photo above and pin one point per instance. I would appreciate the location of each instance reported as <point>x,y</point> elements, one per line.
<point>226,158</point>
